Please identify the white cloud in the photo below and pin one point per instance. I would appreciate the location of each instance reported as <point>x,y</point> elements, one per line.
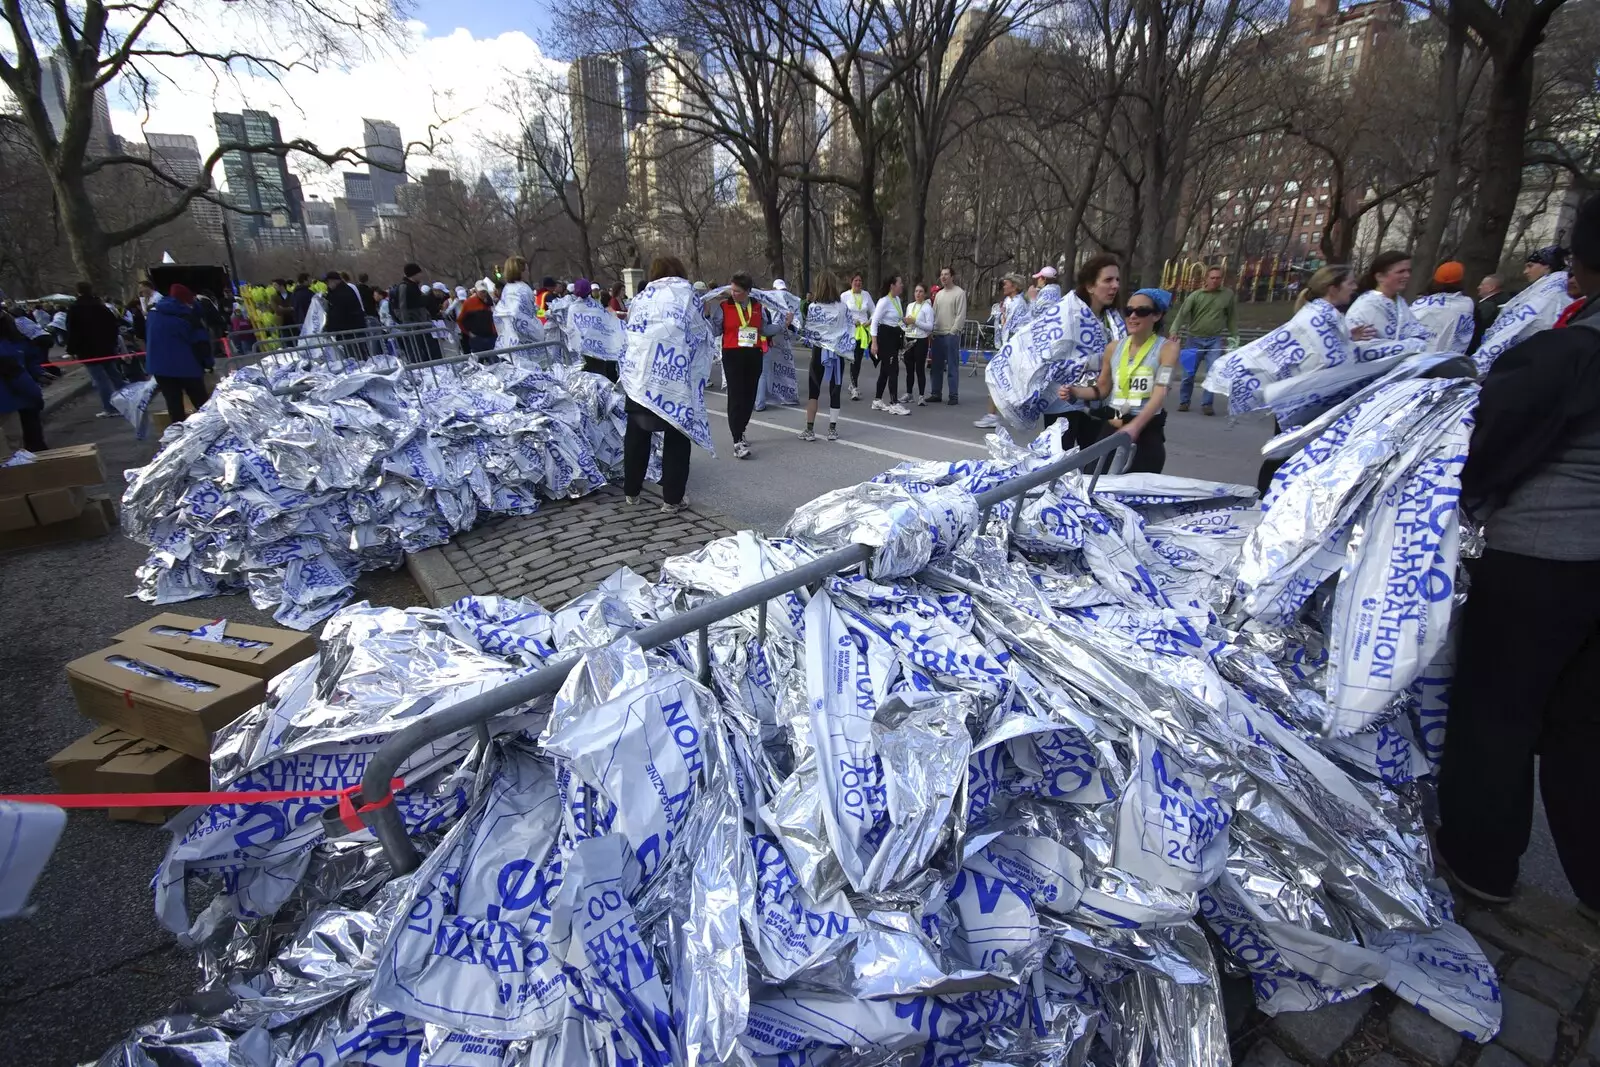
<point>455,83</point>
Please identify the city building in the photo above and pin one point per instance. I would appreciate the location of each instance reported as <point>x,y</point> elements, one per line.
<point>363,208</point>
<point>349,229</point>
<point>322,225</point>
<point>386,155</point>
<point>1275,201</point>
<point>541,166</point>
<point>598,157</point>
<point>55,84</point>
<point>668,167</point>
<point>260,186</point>
<point>178,155</point>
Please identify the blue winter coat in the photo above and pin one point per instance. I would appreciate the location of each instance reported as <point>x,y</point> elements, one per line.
<point>174,338</point>
<point>18,390</point>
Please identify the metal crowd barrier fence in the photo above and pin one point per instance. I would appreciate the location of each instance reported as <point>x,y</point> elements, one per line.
<point>413,342</point>
<point>378,810</point>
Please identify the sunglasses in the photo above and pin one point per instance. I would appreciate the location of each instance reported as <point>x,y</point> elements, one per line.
<point>1137,313</point>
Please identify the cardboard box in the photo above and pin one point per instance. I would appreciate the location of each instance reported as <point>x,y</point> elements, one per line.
<point>160,709</point>
<point>75,767</point>
<point>54,468</point>
<point>58,505</point>
<point>149,768</point>
<point>111,760</point>
<point>274,649</point>
<point>98,518</point>
<point>15,514</point>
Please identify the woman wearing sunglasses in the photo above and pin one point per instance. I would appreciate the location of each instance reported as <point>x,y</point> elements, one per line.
<point>1135,374</point>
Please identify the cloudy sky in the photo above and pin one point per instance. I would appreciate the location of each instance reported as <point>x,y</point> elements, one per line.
<point>449,73</point>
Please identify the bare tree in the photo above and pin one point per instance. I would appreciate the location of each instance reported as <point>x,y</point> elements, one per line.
<point>94,43</point>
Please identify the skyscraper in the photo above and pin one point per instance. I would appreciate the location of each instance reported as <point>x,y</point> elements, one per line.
<point>178,155</point>
<point>597,155</point>
<point>636,86</point>
<point>385,149</point>
<point>55,81</point>
<point>258,181</point>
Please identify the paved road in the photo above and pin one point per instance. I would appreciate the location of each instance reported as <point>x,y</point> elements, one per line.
<point>786,472</point>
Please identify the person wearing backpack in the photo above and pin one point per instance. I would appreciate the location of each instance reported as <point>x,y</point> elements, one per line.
<point>1528,650</point>
<point>408,305</point>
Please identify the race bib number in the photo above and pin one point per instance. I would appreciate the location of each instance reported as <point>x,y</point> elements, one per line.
<point>749,337</point>
<point>1139,385</point>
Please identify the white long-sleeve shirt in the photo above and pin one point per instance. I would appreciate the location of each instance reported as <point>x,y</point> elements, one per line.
<point>889,312</point>
<point>919,320</point>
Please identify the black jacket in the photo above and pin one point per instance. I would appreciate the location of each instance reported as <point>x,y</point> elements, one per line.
<point>91,329</point>
<point>300,301</point>
<point>1531,398</point>
<point>369,299</point>
<point>344,309</point>
<point>408,304</point>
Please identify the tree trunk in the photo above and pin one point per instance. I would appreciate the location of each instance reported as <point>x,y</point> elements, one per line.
<point>772,216</point>
<point>1446,183</point>
<point>1500,164</point>
<point>85,238</point>
<point>917,257</point>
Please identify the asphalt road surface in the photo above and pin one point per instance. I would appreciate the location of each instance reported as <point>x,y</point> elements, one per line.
<point>91,962</point>
<point>785,472</point>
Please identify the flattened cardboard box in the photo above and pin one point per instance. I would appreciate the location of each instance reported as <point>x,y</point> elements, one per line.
<point>159,709</point>
<point>54,468</point>
<point>280,649</point>
<point>98,519</point>
<point>74,767</point>
<point>15,514</point>
<point>58,505</point>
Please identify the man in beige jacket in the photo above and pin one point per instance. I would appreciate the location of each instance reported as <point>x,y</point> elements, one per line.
<point>949,317</point>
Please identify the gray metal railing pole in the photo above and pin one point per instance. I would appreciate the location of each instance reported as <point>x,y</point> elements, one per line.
<point>386,762</point>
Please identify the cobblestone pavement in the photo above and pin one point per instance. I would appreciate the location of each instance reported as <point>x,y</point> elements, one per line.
<point>563,549</point>
<point>1545,955</point>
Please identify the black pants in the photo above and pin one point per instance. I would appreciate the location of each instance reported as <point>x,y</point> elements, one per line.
<point>604,367</point>
<point>1527,670</point>
<point>1083,429</point>
<point>814,381</point>
<point>1269,467</point>
<point>889,341</point>
<point>742,368</point>
<point>855,363</point>
<point>916,361</point>
<point>32,420</point>
<point>1150,451</point>
<point>642,424</point>
<point>173,391</point>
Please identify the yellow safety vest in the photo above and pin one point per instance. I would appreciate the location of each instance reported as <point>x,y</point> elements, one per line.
<point>863,335</point>
<point>1133,379</point>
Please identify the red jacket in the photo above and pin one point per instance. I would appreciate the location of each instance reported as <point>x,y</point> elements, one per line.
<point>732,320</point>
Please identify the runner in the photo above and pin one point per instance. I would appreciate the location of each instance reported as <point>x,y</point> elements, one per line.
<point>887,337</point>
<point>859,303</point>
<point>829,331</point>
<point>919,325</point>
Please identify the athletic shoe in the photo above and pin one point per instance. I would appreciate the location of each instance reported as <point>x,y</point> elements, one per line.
<point>935,398</point>
<point>1209,410</point>
<point>922,401</point>
<point>833,433</point>
<point>1183,407</point>
<point>741,450</point>
<point>808,434</point>
<point>855,394</point>
<point>761,407</point>
<point>988,422</point>
<point>672,509</point>
<point>879,405</point>
<point>105,414</point>
<point>952,401</point>
<point>898,409</point>
<point>905,398</point>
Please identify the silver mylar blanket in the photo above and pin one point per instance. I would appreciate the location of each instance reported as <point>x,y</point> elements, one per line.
<point>978,804</point>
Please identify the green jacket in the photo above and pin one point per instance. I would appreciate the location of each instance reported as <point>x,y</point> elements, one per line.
<point>1206,314</point>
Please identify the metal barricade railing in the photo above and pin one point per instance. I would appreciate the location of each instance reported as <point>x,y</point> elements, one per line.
<point>378,810</point>
<point>431,371</point>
